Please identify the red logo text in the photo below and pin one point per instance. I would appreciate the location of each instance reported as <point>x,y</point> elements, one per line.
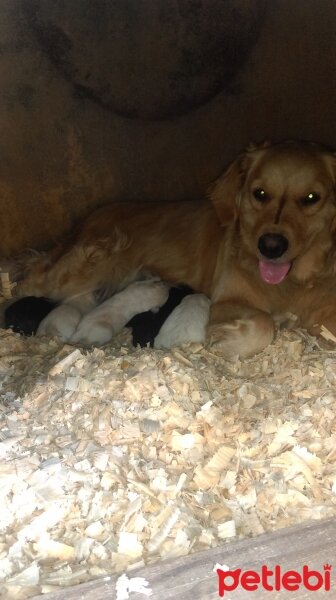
<point>274,579</point>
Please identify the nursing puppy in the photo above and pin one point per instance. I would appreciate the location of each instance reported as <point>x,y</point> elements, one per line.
<point>61,322</point>
<point>179,319</point>
<point>25,315</point>
<point>187,323</point>
<point>263,244</point>
<point>146,325</point>
<point>110,317</point>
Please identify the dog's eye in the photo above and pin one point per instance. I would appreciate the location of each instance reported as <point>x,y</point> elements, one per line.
<point>310,199</point>
<point>260,195</point>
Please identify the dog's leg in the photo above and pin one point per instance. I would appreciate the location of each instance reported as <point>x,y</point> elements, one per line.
<point>322,317</point>
<point>72,274</point>
<point>236,330</point>
<point>82,269</point>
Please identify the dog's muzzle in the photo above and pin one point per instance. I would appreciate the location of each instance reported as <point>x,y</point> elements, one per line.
<point>272,268</point>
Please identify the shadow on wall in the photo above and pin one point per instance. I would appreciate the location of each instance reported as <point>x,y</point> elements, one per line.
<point>146,99</point>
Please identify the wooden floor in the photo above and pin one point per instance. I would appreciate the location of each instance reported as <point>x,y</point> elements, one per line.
<point>193,577</point>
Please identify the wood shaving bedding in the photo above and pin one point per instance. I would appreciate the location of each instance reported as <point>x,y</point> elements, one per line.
<point>118,457</point>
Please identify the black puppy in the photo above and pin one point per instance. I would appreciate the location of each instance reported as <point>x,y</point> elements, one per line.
<point>145,326</point>
<point>25,315</point>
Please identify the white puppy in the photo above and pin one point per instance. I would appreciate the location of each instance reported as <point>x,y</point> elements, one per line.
<point>103,322</point>
<point>61,322</point>
<point>187,323</point>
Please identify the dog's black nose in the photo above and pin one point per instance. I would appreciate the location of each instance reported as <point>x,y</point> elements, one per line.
<point>272,245</point>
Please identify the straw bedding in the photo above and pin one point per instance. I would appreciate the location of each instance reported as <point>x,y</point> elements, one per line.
<point>116,457</point>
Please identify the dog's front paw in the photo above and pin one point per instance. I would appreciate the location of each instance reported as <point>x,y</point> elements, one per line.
<point>241,338</point>
<point>146,295</point>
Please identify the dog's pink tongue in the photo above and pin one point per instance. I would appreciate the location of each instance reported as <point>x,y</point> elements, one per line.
<point>273,272</point>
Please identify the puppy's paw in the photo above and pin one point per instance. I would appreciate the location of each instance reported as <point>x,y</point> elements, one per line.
<point>60,322</point>
<point>92,334</point>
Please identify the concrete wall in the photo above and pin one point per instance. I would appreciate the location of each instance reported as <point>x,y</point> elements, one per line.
<point>118,99</point>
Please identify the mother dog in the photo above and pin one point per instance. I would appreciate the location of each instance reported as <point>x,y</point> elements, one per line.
<point>264,245</point>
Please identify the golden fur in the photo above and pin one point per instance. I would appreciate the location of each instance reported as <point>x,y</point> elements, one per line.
<point>213,246</point>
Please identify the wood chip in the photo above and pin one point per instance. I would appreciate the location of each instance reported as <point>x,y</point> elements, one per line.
<point>120,456</point>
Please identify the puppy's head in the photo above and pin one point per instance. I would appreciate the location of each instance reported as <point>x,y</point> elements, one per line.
<point>283,197</point>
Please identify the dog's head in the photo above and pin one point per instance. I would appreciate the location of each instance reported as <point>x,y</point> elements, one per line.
<point>283,197</point>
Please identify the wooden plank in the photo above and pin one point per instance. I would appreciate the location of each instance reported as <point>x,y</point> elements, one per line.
<point>193,577</point>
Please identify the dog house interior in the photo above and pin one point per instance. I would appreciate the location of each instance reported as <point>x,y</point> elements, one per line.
<point>129,471</point>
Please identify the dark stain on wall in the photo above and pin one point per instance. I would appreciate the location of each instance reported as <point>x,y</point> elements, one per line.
<point>149,59</point>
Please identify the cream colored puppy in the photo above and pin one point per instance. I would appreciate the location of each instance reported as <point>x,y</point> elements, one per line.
<point>63,320</point>
<point>103,322</point>
<point>187,323</point>
<point>60,322</point>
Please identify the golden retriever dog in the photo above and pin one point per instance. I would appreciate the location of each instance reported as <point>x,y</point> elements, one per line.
<point>264,244</point>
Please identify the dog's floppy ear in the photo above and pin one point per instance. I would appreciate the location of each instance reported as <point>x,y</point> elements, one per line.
<point>224,193</point>
<point>330,158</point>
